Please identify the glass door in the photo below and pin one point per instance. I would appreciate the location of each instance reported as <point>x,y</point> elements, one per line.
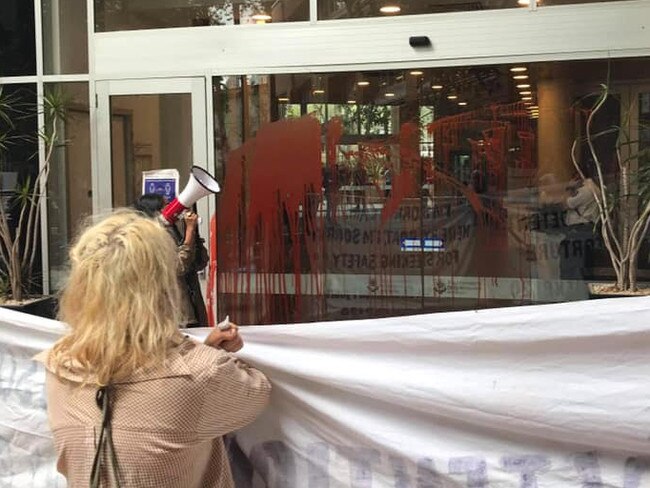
<point>145,125</point>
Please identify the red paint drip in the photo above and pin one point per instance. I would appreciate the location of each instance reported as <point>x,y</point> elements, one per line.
<point>269,221</point>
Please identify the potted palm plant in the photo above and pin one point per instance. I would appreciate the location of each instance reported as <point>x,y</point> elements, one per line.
<point>622,199</point>
<point>20,210</point>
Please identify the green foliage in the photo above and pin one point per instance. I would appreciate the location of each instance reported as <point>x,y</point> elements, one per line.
<point>19,232</point>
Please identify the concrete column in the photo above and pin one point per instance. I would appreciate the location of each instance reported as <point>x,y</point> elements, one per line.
<point>555,128</point>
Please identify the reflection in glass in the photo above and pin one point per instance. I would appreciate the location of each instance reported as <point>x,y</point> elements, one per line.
<point>65,37</point>
<point>455,192</point>
<point>112,15</point>
<point>69,199</point>
<point>345,9</point>
<point>17,38</point>
<point>148,132</point>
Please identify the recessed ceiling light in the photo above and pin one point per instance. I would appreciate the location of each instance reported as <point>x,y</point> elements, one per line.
<point>526,93</point>
<point>389,94</point>
<point>520,77</point>
<point>283,99</point>
<point>533,107</point>
<point>352,101</point>
<point>416,73</point>
<point>436,87</point>
<point>363,83</point>
<point>462,104</point>
<point>318,92</point>
<point>390,9</point>
<point>452,97</point>
<point>525,85</point>
<point>518,69</point>
<point>526,98</point>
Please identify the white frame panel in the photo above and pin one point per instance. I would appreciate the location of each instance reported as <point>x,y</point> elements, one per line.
<point>581,31</point>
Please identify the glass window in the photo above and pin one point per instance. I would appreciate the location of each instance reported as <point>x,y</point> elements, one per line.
<point>112,15</point>
<point>148,132</point>
<point>65,37</point>
<point>18,163</point>
<point>17,38</point>
<point>346,9</point>
<point>383,193</point>
<point>69,186</point>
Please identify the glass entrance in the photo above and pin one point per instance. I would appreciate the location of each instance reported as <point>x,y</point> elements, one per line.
<point>147,125</point>
<point>148,132</point>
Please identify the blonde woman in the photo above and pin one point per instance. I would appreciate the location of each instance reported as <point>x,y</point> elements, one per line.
<point>131,401</point>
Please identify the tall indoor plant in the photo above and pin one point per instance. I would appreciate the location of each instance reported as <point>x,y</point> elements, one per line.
<point>623,201</point>
<point>20,209</point>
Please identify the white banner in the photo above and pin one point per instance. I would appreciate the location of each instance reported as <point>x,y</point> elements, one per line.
<point>549,396</point>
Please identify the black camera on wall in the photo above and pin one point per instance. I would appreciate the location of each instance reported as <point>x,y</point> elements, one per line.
<point>419,41</point>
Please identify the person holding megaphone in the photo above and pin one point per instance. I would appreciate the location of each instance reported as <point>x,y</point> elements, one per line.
<point>182,221</point>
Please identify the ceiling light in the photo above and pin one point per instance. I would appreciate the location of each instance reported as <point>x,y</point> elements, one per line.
<point>416,73</point>
<point>526,93</point>
<point>452,97</point>
<point>520,77</point>
<point>318,92</point>
<point>363,83</point>
<point>462,104</point>
<point>390,9</point>
<point>523,86</point>
<point>518,69</point>
<point>526,98</point>
<point>533,107</point>
<point>389,94</point>
<point>283,99</point>
<point>261,17</point>
<point>352,101</point>
<point>436,87</point>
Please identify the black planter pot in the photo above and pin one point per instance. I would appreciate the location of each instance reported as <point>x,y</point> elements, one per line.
<point>45,307</point>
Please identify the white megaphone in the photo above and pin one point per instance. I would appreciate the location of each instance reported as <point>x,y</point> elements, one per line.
<point>201,184</point>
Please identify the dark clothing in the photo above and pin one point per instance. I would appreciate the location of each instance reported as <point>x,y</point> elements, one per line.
<point>191,260</point>
<point>576,251</point>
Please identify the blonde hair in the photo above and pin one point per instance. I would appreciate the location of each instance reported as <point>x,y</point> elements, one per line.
<point>121,300</point>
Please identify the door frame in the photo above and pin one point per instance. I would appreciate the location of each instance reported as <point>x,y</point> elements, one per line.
<point>194,86</point>
<point>203,153</point>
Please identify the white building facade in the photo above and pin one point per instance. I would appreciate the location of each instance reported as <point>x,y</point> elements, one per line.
<point>372,163</point>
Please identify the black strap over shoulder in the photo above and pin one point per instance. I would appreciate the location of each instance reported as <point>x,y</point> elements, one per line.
<point>104,399</point>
